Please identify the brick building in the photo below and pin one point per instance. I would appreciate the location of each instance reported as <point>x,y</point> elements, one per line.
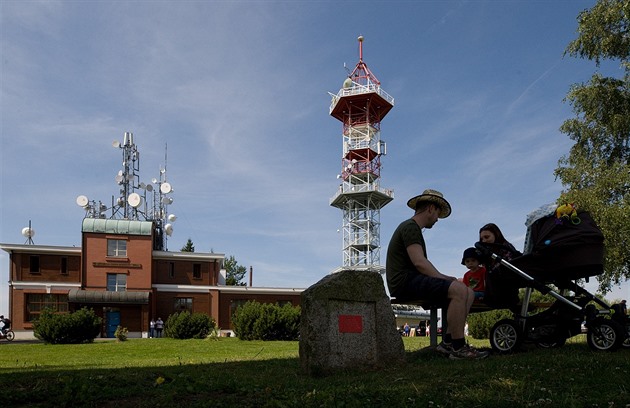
<point>118,273</point>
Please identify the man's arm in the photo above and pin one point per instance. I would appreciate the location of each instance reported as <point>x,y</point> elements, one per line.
<point>422,264</point>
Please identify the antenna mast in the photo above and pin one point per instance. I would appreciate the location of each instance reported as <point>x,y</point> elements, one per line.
<point>132,202</point>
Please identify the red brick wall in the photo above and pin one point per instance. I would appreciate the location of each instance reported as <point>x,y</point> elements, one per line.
<point>136,265</point>
<point>18,307</point>
<point>165,303</point>
<point>49,268</point>
<point>183,272</point>
<point>227,299</point>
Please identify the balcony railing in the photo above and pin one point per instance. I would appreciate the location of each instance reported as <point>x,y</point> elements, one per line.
<point>357,89</point>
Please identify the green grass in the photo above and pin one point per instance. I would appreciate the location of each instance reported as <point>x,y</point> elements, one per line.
<point>230,372</point>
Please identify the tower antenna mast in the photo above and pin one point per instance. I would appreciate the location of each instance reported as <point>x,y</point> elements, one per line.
<point>132,202</point>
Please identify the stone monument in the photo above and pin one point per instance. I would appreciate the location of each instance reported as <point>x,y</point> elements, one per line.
<point>347,322</point>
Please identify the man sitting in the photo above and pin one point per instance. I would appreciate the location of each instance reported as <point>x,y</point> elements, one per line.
<point>410,275</point>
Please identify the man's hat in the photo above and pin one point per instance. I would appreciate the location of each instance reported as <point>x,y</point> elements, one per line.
<point>471,253</point>
<point>434,197</point>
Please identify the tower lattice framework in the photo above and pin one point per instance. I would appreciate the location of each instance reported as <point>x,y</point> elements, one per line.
<point>360,105</point>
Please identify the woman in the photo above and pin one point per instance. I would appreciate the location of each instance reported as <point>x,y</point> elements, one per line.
<point>501,287</point>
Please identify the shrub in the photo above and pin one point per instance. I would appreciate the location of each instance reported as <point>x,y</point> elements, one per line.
<point>121,333</point>
<point>185,325</point>
<point>480,324</point>
<point>266,321</point>
<point>81,326</point>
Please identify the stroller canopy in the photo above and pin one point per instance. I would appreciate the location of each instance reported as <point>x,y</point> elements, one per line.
<point>564,248</point>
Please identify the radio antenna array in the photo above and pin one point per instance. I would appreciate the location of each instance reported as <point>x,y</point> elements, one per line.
<point>136,200</point>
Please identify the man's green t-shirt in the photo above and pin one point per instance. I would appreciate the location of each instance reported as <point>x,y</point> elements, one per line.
<point>398,265</point>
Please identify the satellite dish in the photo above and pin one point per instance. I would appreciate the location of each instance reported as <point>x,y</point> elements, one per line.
<point>347,83</point>
<point>134,200</point>
<point>167,200</point>
<point>116,143</point>
<point>153,180</point>
<point>142,186</point>
<point>28,232</point>
<point>82,201</point>
<point>119,178</point>
<point>168,228</point>
<point>172,218</point>
<point>166,188</point>
<point>149,187</point>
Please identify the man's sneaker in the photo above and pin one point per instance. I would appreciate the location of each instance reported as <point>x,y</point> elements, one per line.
<point>468,353</point>
<point>444,349</point>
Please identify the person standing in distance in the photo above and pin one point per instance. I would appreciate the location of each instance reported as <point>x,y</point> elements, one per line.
<point>411,276</point>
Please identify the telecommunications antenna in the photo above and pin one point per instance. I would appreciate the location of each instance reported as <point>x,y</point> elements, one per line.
<point>82,201</point>
<point>166,188</point>
<point>134,200</point>
<point>28,233</point>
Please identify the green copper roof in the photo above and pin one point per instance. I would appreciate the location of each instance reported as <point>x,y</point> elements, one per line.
<point>108,226</point>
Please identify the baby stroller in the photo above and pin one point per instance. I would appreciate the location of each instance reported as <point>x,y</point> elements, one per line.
<point>562,250</point>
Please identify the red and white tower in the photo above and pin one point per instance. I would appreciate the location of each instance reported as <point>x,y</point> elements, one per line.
<point>360,105</point>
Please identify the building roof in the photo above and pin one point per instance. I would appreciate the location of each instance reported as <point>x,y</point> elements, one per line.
<point>40,249</point>
<point>188,256</point>
<point>109,226</point>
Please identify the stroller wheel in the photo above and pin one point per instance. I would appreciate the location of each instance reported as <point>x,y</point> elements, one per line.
<point>505,336</point>
<point>605,335</point>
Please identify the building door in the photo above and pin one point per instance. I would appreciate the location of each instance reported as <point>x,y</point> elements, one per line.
<point>112,322</point>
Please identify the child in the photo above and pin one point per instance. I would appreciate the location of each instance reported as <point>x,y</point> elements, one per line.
<point>475,278</point>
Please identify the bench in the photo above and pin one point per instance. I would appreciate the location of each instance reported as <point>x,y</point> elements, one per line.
<point>433,316</point>
<point>476,307</point>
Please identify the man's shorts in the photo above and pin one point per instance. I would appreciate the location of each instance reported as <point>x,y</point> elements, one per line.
<point>422,287</point>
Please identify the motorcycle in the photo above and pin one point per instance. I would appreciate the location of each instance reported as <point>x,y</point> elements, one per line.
<point>8,335</point>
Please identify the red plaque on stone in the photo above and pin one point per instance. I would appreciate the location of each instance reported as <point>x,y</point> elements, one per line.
<point>350,324</point>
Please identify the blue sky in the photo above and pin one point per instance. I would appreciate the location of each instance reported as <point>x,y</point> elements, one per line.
<point>239,92</point>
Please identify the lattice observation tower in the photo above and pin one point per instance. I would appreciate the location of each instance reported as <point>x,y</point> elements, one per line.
<point>360,105</point>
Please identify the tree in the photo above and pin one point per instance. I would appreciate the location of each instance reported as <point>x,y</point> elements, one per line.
<point>596,172</point>
<point>234,272</point>
<point>189,247</point>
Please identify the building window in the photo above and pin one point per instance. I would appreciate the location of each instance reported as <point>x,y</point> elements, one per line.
<point>196,271</point>
<point>64,266</point>
<point>183,304</point>
<point>116,282</point>
<point>117,248</point>
<point>171,269</point>
<point>37,302</point>
<point>235,304</point>
<point>34,264</point>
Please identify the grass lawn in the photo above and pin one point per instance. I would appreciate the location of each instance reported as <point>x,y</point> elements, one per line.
<point>230,372</point>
